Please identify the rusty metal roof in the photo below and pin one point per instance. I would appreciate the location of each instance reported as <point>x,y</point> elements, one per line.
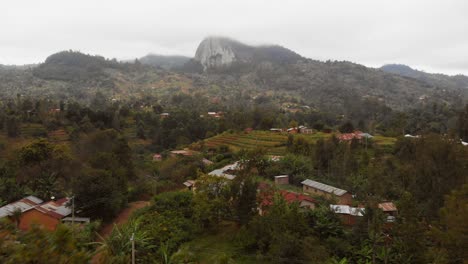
<point>388,207</point>
<point>324,187</point>
<point>23,205</point>
<point>346,209</point>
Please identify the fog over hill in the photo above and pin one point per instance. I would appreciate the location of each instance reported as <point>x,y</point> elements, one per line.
<point>460,81</point>
<point>224,68</point>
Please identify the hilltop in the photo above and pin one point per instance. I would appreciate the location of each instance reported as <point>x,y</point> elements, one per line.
<point>168,62</point>
<point>456,81</point>
<point>216,52</point>
<point>235,73</point>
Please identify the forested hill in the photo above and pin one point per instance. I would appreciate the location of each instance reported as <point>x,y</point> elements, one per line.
<point>456,81</point>
<point>229,71</point>
<point>167,62</point>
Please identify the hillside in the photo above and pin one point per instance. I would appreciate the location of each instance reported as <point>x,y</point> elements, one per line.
<point>273,142</point>
<point>457,81</point>
<point>166,62</point>
<point>216,52</point>
<point>234,73</point>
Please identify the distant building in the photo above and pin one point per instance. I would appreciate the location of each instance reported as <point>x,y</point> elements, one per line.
<point>321,189</point>
<point>215,114</point>
<point>164,115</point>
<point>190,184</point>
<point>183,152</point>
<point>227,171</point>
<point>157,157</point>
<point>22,205</point>
<point>348,214</point>
<point>305,130</point>
<point>47,215</point>
<point>35,212</point>
<point>355,135</point>
<point>278,130</point>
<point>282,179</point>
<point>275,158</point>
<point>390,210</point>
<point>304,201</point>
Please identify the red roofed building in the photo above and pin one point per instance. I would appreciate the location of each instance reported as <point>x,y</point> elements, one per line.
<point>47,215</point>
<point>157,157</point>
<point>350,136</point>
<point>290,197</point>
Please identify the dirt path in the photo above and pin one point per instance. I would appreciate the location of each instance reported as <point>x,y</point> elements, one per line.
<point>122,217</point>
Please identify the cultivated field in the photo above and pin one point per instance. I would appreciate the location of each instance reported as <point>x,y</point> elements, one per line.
<point>273,142</point>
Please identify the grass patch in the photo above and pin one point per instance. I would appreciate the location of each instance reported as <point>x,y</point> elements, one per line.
<point>216,247</point>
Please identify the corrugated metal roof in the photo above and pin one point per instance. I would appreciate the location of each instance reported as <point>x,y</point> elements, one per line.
<point>23,205</point>
<point>57,209</point>
<point>221,172</point>
<point>324,187</point>
<point>388,207</point>
<point>346,209</point>
<point>189,183</point>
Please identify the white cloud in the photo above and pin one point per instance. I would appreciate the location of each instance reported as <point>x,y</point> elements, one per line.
<point>427,33</point>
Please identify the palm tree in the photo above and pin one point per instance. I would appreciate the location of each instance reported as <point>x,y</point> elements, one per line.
<point>16,216</point>
<point>117,247</point>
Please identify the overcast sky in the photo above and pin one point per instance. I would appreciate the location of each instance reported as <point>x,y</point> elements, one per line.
<point>426,34</point>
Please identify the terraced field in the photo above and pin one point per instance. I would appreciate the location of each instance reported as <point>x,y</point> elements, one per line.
<point>33,130</point>
<point>58,136</point>
<point>275,143</point>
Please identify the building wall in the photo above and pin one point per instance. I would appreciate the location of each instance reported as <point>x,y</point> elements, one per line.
<point>311,190</point>
<point>31,217</point>
<point>347,219</point>
<point>282,180</point>
<point>345,199</point>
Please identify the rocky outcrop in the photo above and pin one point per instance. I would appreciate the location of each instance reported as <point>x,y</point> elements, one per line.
<point>216,52</point>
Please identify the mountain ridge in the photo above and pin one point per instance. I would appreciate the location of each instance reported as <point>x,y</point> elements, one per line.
<point>440,79</point>
<point>248,72</point>
<point>215,52</point>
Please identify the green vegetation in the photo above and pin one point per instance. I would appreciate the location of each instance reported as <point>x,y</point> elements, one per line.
<point>101,152</point>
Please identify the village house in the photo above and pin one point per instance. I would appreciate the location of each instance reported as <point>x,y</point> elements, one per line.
<point>227,171</point>
<point>293,130</point>
<point>47,215</point>
<point>22,205</point>
<point>215,114</point>
<point>274,158</point>
<point>355,135</point>
<point>282,179</point>
<point>390,211</point>
<point>34,212</point>
<point>305,130</point>
<point>321,189</point>
<point>190,184</point>
<point>164,115</point>
<point>349,215</point>
<point>183,152</point>
<point>278,130</point>
<point>304,201</point>
<point>157,157</point>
